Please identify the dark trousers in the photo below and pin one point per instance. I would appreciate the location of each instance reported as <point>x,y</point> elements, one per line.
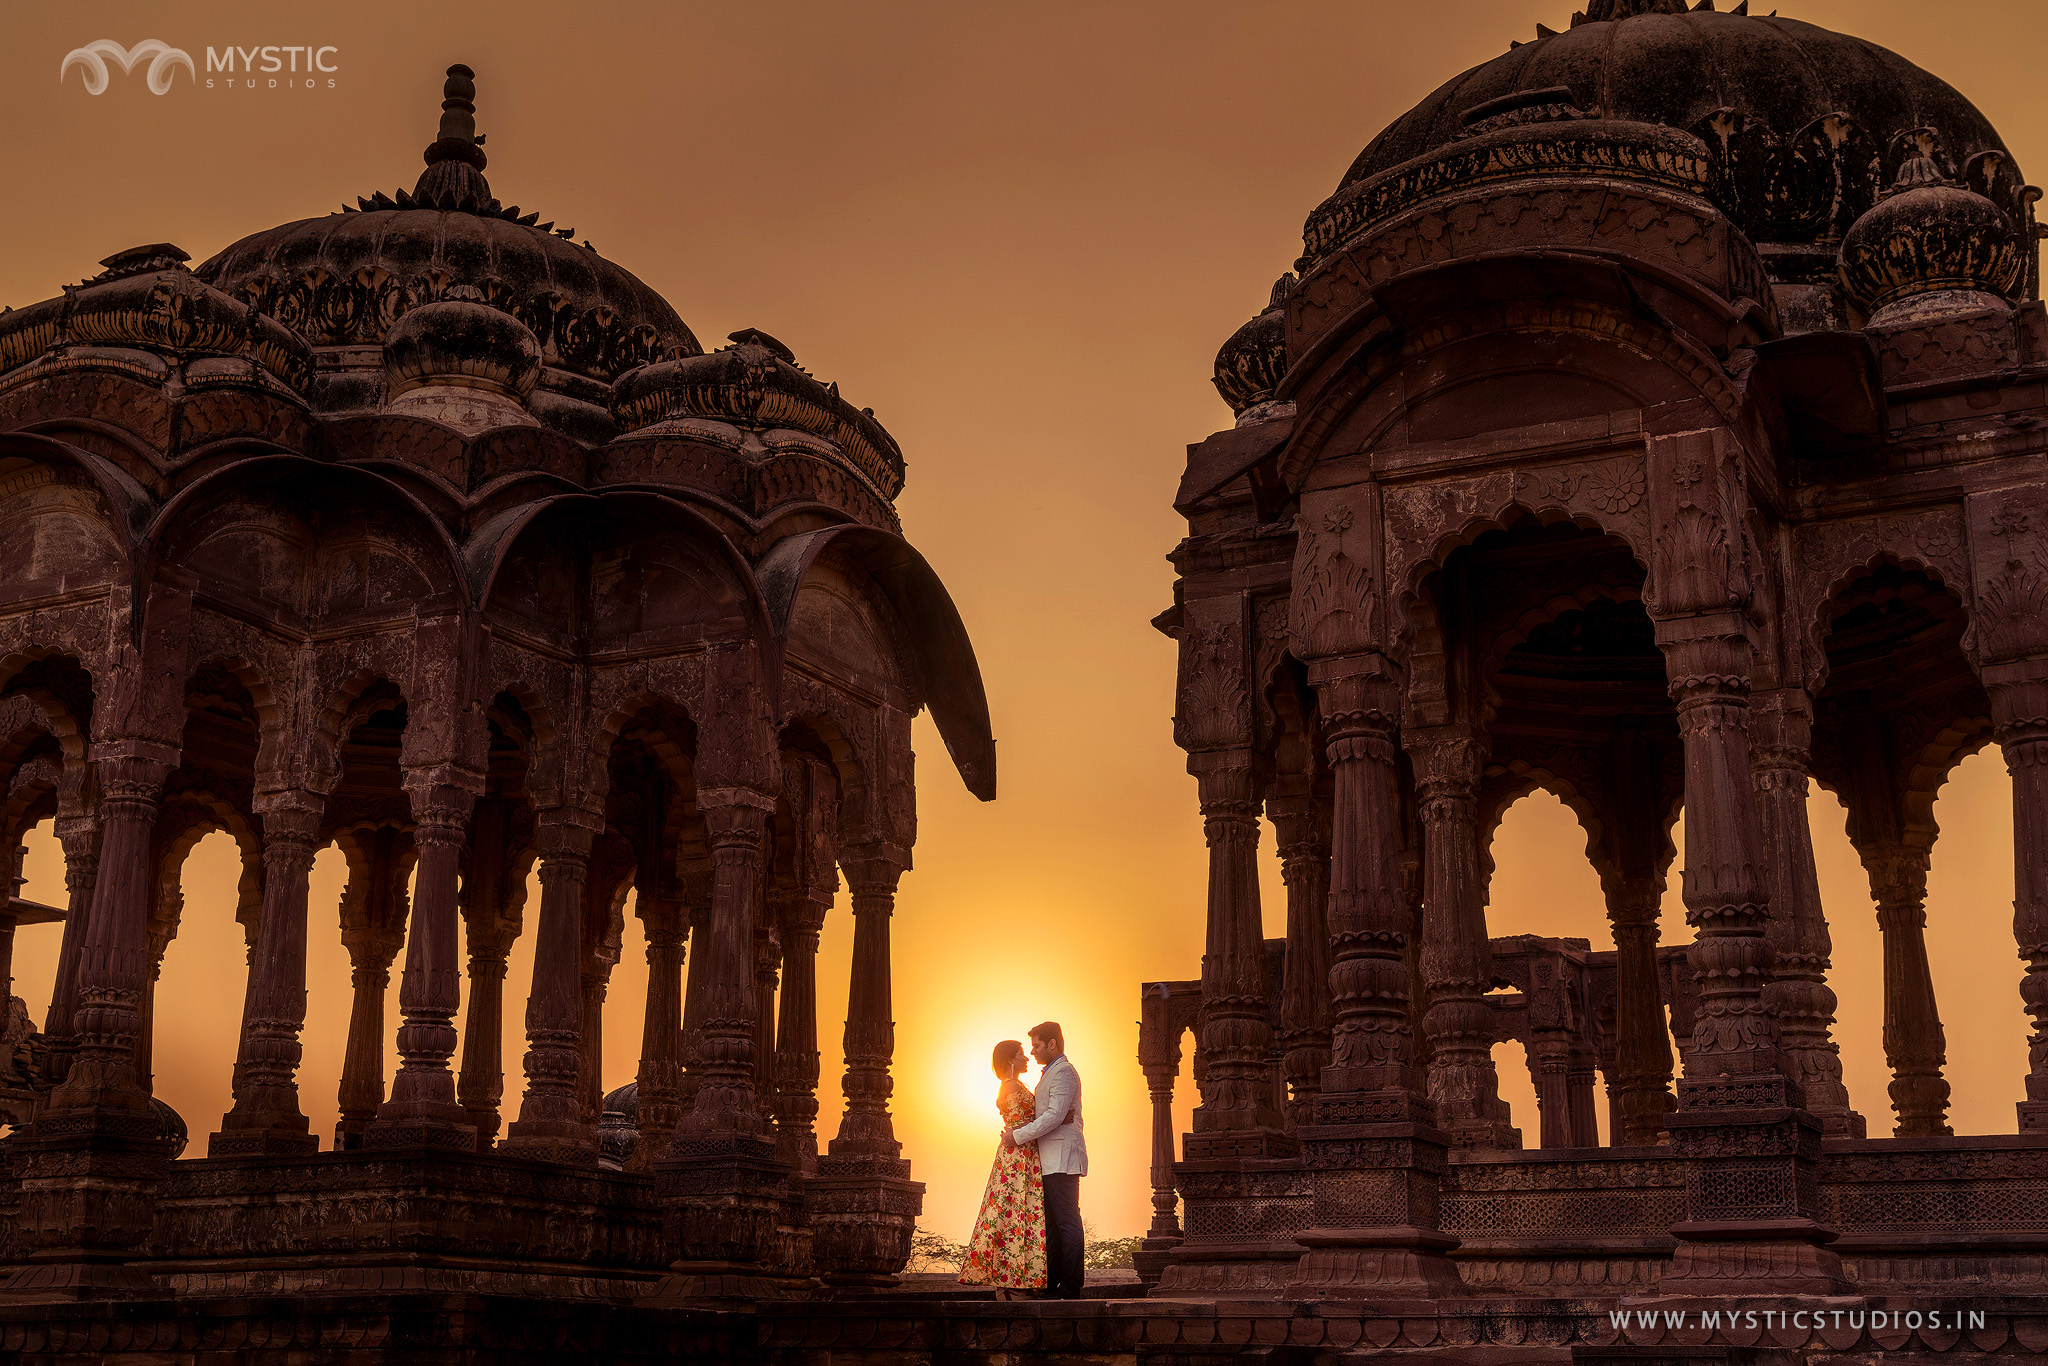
<point>1064,1243</point>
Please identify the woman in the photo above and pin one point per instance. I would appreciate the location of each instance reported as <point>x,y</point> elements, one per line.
<point>1008,1247</point>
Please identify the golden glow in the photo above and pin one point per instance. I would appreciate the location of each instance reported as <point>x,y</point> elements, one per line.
<point>1020,234</point>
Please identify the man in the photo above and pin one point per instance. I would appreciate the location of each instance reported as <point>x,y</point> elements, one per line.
<point>1062,1158</point>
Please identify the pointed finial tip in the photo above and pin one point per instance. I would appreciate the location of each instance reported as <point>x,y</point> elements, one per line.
<point>458,140</point>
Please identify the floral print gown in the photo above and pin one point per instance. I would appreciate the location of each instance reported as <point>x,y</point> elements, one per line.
<point>1008,1246</point>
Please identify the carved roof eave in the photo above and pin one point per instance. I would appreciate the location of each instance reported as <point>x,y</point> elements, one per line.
<point>169,317</point>
<point>749,386</point>
<point>1324,383</point>
<point>952,683</point>
<point>1644,153</point>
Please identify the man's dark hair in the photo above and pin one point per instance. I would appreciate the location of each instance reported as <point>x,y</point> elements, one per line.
<point>1050,1030</point>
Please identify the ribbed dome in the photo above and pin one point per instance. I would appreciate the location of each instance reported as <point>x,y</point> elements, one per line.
<point>1782,107</point>
<point>344,279</point>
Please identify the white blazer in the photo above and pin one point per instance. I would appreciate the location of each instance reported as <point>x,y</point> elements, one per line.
<point>1057,1129</point>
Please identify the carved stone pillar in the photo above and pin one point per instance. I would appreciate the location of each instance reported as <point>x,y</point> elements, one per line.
<point>697,887</point>
<point>659,1105</point>
<point>863,1203</point>
<point>1642,1048</point>
<point>370,953</point>
<point>2019,711</point>
<point>266,1117</point>
<point>1798,992</point>
<point>422,1111</point>
<point>163,927</point>
<point>1306,1015</point>
<point>91,1161</point>
<point>767,971</point>
<point>1374,1151</point>
<point>1235,1117</point>
<point>481,1086</point>
<point>728,1201</point>
<point>80,837</point>
<point>796,1034</point>
<point>1456,959</point>
<point>1913,1041</point>
<point>1165,1234</point>
<point>1751,1222</point>
<point>551,1125</point>
<point>724,1102</point>
<point>493,899</point>
<point>1578,1085</point>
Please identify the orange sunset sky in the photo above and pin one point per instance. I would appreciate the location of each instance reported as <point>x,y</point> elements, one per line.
<point>1020,233</point>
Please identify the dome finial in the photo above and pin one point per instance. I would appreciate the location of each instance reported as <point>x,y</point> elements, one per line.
<point>459,140</point>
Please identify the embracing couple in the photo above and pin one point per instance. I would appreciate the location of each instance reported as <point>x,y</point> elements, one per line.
<point>1028,1234</point>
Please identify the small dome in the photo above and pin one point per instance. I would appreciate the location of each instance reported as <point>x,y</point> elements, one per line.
<point>1930,236</point>
<point>1251,363</point>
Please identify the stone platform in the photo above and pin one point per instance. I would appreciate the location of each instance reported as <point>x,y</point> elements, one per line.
<point>403,1327</point>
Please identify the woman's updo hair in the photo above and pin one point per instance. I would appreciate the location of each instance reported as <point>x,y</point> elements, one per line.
<point>1007,1052</point>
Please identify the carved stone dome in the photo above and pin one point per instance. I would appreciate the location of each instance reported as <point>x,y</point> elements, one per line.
<point>1786,113</point>
<point>1930,237</point>
<point>1250,364</point>
<point>343,280</point>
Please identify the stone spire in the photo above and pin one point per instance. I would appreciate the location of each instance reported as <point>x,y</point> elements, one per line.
<point>455,160</point>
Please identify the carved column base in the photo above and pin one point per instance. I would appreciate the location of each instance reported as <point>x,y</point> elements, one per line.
<point>568,1141</point>
<point>1151,1258</point>
<point>1758,1257</point>
<point>89,1180</point>
<point>421,1124</point>
<point>1240,1222</point>
<point>1751,1193</point>
<point>1374,1227</point>
<point>862,1211</point>
<point>262,1142</point>
<point>2033,1116</point>
<point>1395,1262</point>
<point>734,1218</point>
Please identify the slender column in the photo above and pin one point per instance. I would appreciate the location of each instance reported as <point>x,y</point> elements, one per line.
<point>266,1117</point>
<point>551,1124</point>
<point>1913,1041</point>
<point>866,1128</point>
<point>422,1108</point>
<point>658,1107</point>
<point>1641,1088</point>
<point>595,985</point>
<point>1578,1086</point>
<point>767,970</point>
<point>163,926</point>
<point>1734,1035</point>
<point>370,953</point>
<point>1236,1095</point>
<point>1798,992</point>
<point>1372,1051</point>
<point>2019,712</point>
<point>481,1087</point>
<point>1456,959</point>
<point>698,888</point>
<point>796,1033</point>
<point>80,836</point>
<point>724,1102</point>
<point>1306,1015</point>
<point>113,962</point>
